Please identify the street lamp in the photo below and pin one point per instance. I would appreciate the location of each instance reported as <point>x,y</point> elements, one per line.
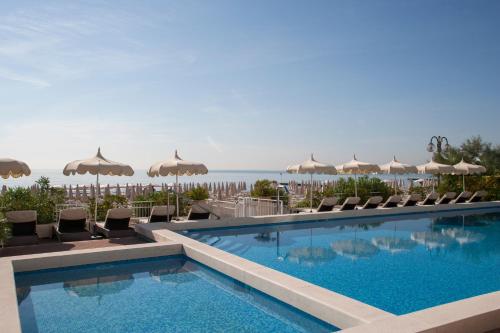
<point>431,147</point>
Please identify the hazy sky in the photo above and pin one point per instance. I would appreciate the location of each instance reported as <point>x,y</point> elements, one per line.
<point>245,84</point>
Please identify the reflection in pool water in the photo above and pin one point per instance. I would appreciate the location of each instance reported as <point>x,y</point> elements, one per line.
<point>399,264</point>
<point>168,294</point>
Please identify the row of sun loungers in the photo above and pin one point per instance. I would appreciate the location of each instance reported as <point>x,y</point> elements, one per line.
<point>350,203</point>
<point>72,224</point>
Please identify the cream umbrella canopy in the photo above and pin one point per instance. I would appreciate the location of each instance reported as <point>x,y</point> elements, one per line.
<point>356,167</point>
<point>98,165</point>
<point>435,168</point>
<point>177,167</point>
<point>463,168</point>
<point>395,167</point>
<point>311,166</point>
<point>13,168</point>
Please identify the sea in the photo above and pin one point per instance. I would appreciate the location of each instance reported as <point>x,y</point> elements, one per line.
<point>57,178</point>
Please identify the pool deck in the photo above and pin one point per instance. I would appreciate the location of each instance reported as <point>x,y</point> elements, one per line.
<point>476,314</point>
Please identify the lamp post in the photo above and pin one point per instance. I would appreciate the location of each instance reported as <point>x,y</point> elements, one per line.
<point>438,147</point>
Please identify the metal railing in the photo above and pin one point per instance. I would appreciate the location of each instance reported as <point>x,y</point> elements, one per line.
<point>141,208</point>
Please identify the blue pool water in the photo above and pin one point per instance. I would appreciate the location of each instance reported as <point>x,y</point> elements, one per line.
<point>167,294</point>
<point>398,264</point>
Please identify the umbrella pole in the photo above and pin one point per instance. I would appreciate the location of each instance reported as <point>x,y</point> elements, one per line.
<point>168,204</point>
<point>355,184</point>
<point>177,192</point>
<point>463,182</point>
<point>311,194</point>
<point>96,196</point>
<point>395,185</point>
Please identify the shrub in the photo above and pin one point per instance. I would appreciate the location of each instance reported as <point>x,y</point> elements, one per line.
<point>198,193</point>
<point>108,202</point>
<point>265,189</point>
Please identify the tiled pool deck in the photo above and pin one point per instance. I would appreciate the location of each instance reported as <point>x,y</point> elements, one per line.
<point>476,314</point>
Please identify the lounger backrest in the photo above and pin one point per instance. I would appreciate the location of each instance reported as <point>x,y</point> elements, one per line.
<point>412,200</point>
<point>350,203</point>
<point>373,202</point>
<point>118,219</point>
<point>199,211</point>
<point>72,220</point>
<point>23,222</point>
<point>430,199</point>
<point>447,197</point>
<point>161,213</point>
<point>463,197</point>
<point>392,201</point>
<point>327,204</point>
<point>478,196</point>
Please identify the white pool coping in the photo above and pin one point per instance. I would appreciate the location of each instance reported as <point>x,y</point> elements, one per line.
<point>475,314</point>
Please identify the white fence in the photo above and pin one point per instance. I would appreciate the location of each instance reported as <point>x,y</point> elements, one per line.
<point>246,207</point>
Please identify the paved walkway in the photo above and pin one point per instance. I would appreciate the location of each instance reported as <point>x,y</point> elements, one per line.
<point>54,246</point>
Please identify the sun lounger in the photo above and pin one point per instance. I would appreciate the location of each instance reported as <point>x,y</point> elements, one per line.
<point>160,214</point>
<point>478,196</point>
<point>446,198</point>
<point>462,197</point>
<point>23,227</point>
<point>372,202</point>
<point>327,204</point>
<point>200,211</point>
<point>411,200</point>
<point>72,225</point>
<point>350,203</point>
<point>430,199</point>
<point>392,201</point>
<point>116,223</point>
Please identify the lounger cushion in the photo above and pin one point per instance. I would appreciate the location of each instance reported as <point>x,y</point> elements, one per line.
<point>23,222</point>
<point>71,225</point>
<point>199,216</point>
<point>117,224</point>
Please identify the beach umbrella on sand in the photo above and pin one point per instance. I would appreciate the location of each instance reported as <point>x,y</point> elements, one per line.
<point>463,168</point>
<point>177,167</point>
<point>395,167</point>
<point>311,167</point>
<point>435,168</point>
<point>356,168</point>
<point>98,165</point>
<point>13,168</point>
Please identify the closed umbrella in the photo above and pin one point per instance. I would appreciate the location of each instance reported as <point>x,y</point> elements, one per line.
<point>435,168</point>
<point>177,167</point>
<point>98,165</point>
<point>395,167</point>
<point>463,168</point>
<point>13,168</point>
<point>311,167</point>
<point>356,168</point>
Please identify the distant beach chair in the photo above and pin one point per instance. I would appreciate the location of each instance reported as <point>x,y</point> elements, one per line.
<point>430,199</point>
<point>72,225</point>
<point>411,200</point>
<point>446,198</point>
<point>478,196</point>
<point>392,201</point>
<point>116,224</point>
<point>372,202</point>
<point>23,227</point>
<point>350,203</point>
<point>159,214</point>
<point>200,211</point>
<point>462,197</point>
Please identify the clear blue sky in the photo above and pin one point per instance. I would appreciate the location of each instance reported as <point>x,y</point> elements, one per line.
<point>245,84</point>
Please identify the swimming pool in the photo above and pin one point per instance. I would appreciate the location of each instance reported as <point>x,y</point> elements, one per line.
<point>400,264</point>
<point>166,294</point>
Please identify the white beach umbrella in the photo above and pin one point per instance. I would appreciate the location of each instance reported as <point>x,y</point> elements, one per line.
<point>463,168</point>
<point>177,167</point>
<point>98,165</point>
<point>311,166</point>
<point>395,167</point>
<point>356,168</point>
<point>435,168</point>
<point>13,168</point>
